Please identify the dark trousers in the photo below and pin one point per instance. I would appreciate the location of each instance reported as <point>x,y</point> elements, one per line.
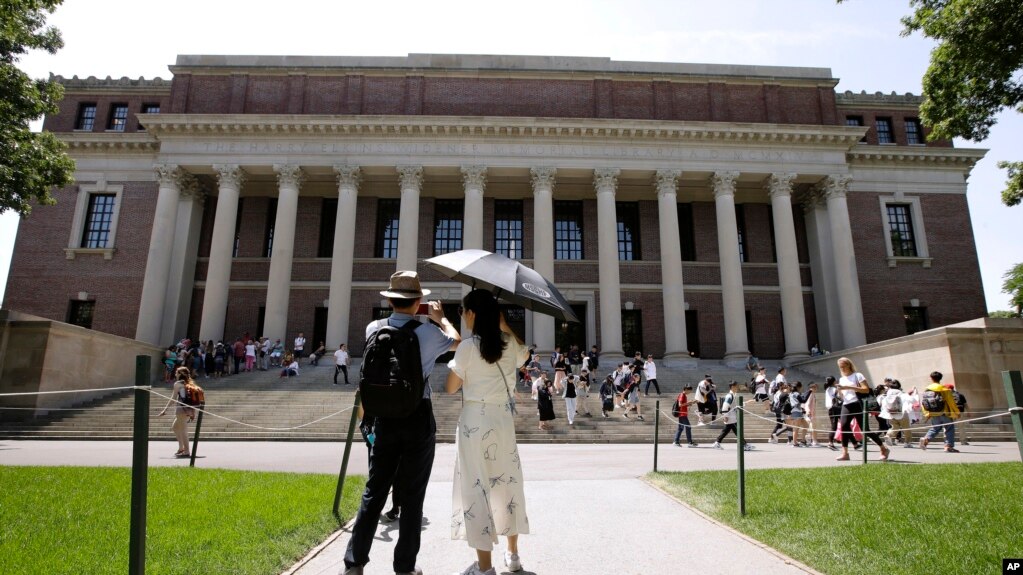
<point>238,363</point>
<point>657,387</point>
<point>340,369</point>
<point>834,414</point>
<point>683,425</point>
<point>403,454</point>
<point>779,425</point>
<point>855,410</point>
<point>729,428</point>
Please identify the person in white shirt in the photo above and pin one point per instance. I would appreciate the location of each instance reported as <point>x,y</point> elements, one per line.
<point>291,370</point>
<point>299,348</point>
<point>250,355</point>
<point>760,389</point>
<point>895,407</point>
<point>341,361</point>
<point>704,403</point>
<point>650,372</point>
<point>264,352</point>
<point>834,406</point>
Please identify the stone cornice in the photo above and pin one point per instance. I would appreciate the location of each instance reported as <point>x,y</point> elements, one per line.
<point>440,126</point>
<point>108,84</point>
<point>84,142</point>
<point>891,101</point>
<point>915,156</point>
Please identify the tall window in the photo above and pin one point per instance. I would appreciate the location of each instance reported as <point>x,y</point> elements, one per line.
<point>632,331</point>
<point>508,228</point>
<point>388,211</point>
<point>86,118</point>
<point>98,220</point>
<point>628,231</point>
<point>568,230</point>
<point>884,131</point>
<point>447,226</point>
<point>328,221</point>
<point>686,236</point>
<point>914,132</point>
<point>149,109</point>
<point>80,313</point>
<point>740,225</point>
<point>268,231</point>
<point>855,121</point>
<point>238,230</point>
<point>900,222</point>
<point>118,117</point>
<point>916,319</point>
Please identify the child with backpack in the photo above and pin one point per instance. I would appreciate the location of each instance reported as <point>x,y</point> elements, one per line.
<point>728,416</point>
<point>680,410</point>
<point>895,408</point>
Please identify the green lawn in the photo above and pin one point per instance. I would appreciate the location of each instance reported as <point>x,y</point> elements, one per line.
<point>75,520</point>
<point>912,519</point>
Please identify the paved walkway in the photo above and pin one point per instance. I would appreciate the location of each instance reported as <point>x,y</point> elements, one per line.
<point>576,495</point>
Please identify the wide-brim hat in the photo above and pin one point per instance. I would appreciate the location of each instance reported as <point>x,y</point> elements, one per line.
<point>405,285</point>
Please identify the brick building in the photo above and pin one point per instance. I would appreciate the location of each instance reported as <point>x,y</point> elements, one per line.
<point>723,209</point>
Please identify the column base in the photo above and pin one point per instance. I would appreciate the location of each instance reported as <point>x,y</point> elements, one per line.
<point>793,357</point>
<point>680,360</point>
<point>736,359</point>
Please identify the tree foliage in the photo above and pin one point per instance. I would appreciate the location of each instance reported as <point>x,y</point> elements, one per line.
<point>31,164</point>
<point>1013,285</point>
<point>974,72</point>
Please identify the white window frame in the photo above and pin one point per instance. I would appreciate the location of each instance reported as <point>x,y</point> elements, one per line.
<point>923,255</point>
<point>85,191</point>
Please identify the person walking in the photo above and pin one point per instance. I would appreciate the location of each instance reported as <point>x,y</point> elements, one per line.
<point>341,361</point>
<point>760,385</point>
<point>488,497</point>
<point>582,390</point>
<point>810,414</point>
<point>183,413</point>
<point>250,355</point>
<point>299,348</point>
<point>545,403</point>
<point>560,363</point>
<point>570,395</point>
<point>940,410</point>
<point>631,395</point>
<point>404,447</point>
<point>534,371</point>
<point>729,416</point>
<point>238,350</point>
<point>650,372</point>
<point>833,403</point>
<point>607,396</point>
<point>851,386</point>
<point>895,407</point>
<point>681,408</point>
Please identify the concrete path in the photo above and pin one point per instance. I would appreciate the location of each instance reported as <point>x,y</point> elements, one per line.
<point>589,511</point>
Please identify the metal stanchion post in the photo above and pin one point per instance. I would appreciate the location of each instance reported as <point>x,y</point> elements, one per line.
<point>657,429</point>
<point>740,450</point>
<point>139,469</point>
<point>195,442</point>
<point>348,451</point>
<point>1014,394</point>
<point>863,428</point>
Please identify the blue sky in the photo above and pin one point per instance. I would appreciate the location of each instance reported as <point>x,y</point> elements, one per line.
<point>859,40</point>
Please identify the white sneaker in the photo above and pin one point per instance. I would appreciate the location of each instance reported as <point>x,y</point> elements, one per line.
<point>474,569</point>
<point>511,561</point>
<point>772,439</point>
<point>717,445</point>
<point>748,447</point>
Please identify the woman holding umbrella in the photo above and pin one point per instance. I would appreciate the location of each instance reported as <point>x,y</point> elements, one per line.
<point>487,496</point>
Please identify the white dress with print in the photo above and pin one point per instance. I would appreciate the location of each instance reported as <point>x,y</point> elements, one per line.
<point>487,497</point>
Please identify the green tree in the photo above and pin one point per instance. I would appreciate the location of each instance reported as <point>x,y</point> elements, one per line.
<point>1003,313</point>
<point>1013,285</point>
<point>974,72</point>
<point>31,164</point>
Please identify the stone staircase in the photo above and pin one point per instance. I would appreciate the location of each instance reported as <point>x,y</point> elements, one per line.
<point>255,406</point>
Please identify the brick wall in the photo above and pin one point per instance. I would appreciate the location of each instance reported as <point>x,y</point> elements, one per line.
<point>67,110</point>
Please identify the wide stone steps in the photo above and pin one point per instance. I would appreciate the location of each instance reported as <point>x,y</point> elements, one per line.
<point>259,402</point>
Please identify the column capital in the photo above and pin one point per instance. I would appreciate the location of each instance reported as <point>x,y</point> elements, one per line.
<point>724,183</point>
<point>229,175</point>
<point>168,174</point>
<point>410,176</point>
<point>835,185</point>
<point>779,184</point>
<point>474,177</point>
<point>349,176</point>
<point>543,177</point>
<point>289,175</point>
<point>191,188</point>
<point>667,181</point>
<point>606,179</point>
<point>811,199</point>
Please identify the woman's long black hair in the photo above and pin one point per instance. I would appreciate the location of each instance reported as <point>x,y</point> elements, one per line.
<point>487,324</point>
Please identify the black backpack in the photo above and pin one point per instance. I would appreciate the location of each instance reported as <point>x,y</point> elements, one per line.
<point>391,377</point>
<point>932,401</point>
<point>676,408</point>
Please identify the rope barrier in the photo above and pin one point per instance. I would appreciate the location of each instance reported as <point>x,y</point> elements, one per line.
<point>66,391</point>
<point>207,412</point>
<point>925,427</point>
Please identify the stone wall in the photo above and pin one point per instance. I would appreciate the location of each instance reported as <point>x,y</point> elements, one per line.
<point>971,354</point>
<point>38,354</point>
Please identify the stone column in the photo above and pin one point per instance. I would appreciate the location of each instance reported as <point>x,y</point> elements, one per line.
<point>779,187</point>
<point>847,280</point>
<point>822,271</point>
<point>218,272</point>
<point>675,344</point>
<point>732,299</point>
<point>474,180</point>
<point>605,180</point>
<point>278,285</point>
<point>161,242</point>
<point>343,261</point>
<point>543,248</point>
<point>408,224</point>
<point>182,267</point>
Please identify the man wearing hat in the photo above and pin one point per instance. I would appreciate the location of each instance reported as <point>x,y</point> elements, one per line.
<point>403,449</point>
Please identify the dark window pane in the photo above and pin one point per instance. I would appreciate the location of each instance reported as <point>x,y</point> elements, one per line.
<point>740,225</point>
<point>628,231</point>
<point>268,232</point>
<point>447,226</point>
<point>86,117</point>
<point>854,120</point>
<point>568,230</point>
<point>118,117</point>
<point>508,228</point>
<point>98,221</point>
<point>388,211</point>
<point>80,313</point>
<point>238,229</point>
<point>149,109</point>
<point>916,319</point>
<point>900,221</point>
<point>686,236</point>
<point>632,331</point>
<point>914,134</point>
<point>328,222</point>
<point>884,131</point>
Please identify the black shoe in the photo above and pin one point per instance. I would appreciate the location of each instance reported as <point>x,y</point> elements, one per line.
<point>390,517</point>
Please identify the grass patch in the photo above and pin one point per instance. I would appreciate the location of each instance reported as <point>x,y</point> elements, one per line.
<point>75,519</point>
<point>958,518</point>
